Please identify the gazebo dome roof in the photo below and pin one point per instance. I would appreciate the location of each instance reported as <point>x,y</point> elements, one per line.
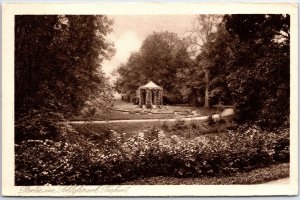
<point>150,85</point>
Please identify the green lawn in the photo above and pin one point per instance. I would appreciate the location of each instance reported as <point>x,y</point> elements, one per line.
<point>125,111</point>
<point>256,176</point>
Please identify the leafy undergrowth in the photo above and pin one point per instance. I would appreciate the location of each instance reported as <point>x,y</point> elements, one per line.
<point>92,157</point>
<point>256,176</point>
<point>185,129</point>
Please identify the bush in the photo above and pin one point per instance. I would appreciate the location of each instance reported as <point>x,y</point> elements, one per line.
<point>112,157</point>
<point>40,124</point>
<point>180,125</point>
<point>210,121</point>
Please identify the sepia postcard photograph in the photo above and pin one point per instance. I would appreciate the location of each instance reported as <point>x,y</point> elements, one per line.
<point>149,99</point>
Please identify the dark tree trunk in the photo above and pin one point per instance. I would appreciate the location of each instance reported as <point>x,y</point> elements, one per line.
<point>206,96</point>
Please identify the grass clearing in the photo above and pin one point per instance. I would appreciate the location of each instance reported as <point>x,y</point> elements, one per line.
<point>126,111</point>
<point>119,115</point>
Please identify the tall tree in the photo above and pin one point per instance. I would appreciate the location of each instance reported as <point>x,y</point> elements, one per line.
<point>161,57</point>
<point>203,27</point>
<point>33,36</point>
<point>217,55</point>
<point>130,76</point>
<point>259,80</point>
<point>248,62</point>
<point>58,62</point>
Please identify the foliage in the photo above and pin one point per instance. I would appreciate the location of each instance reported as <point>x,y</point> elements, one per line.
<point>109,157</point>
<point>203,29</point>
<point>40,124</point>
<point>162,58</point>
<point>260,82</point>
<point>259,27</point>
<point>58,63</point>
<point>248,62</point>
<point>99,103</point>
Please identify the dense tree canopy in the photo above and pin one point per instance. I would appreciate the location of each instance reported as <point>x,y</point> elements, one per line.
<point>250,67</point>
<point>260,84</point>
<point>162,58</point>
<point>58,62</point>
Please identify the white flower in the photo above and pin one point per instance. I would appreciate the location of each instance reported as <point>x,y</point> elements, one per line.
<point>161,134</point>
<point>141,134</point>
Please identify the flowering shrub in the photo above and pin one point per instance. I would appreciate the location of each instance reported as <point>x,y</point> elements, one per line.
<point>112,157</point>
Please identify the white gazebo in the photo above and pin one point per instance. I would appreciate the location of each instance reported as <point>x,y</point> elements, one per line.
<point>150,95</point>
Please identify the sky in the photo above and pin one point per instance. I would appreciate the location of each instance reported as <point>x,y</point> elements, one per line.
<point>129,32</point>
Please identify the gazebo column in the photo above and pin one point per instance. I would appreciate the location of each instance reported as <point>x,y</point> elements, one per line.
<point>150,97</point>
<point>155,97</point>
<point>160,97</point>
<point>140,98</point>
<point>148,101</point>
<point>140,101</point>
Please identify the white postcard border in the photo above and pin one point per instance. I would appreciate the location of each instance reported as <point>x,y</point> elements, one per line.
<point>10,10</point>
